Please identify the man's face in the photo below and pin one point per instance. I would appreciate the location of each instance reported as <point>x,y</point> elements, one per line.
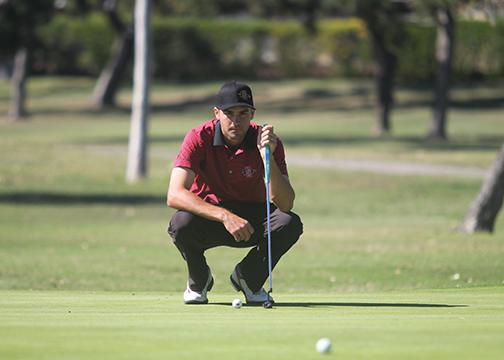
<point>235,123</point>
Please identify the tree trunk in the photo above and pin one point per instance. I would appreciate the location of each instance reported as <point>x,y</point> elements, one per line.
<point>483,212</point>
<point>17,109</point>
<point>310,15</point>
<point>107,85</point>
<point>385,64</point>
<point>137,152</point>
<point>105,91</point>
<point>444,55</point>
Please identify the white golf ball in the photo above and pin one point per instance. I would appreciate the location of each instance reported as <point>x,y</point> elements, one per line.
<point>237,303</point>
<point>323,345</point>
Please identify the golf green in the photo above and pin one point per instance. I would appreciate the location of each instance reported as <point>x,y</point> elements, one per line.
<point>421,324</point>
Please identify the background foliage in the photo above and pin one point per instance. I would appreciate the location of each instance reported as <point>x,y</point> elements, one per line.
<point>199,49</point>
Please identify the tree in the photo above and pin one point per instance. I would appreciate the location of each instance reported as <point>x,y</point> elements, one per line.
<point>442,14</point>
<point>106,87</point>
<point>137,149</point>
<point>105,90</point>
<point>19,20</point>
<point>385,25</point>
<point>307,11</point>
<point>383,21</point>
<point>17,109</point>
<point>485,208</point>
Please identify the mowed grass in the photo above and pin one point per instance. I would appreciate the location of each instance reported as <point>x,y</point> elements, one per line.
<point>435,324</point>
<point>377,252</point>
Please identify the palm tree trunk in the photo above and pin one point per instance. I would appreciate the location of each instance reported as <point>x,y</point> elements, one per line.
<point>137,149</point>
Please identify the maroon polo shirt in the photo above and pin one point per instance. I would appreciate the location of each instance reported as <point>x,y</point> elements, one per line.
<point>225,173</point>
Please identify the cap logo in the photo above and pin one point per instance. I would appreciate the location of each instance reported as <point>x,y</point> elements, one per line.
<point>244,95</point>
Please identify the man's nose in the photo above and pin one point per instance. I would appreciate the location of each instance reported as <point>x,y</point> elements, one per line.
<point>235,118</point>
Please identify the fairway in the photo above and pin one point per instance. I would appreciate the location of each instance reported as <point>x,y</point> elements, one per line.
<point>422,324</point>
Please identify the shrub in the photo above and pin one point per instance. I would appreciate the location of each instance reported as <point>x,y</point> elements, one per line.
<point>202,49</point>
<point>76,45</point>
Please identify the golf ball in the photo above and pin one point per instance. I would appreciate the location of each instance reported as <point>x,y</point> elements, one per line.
<point>237,303</point>
<point>323,345</point>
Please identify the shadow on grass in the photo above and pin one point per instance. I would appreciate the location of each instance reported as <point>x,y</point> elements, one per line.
<point>348,304</point>
<point>313,99</point>
<point>469,144</point>
<point>478,103</point>
<point>492,143</point>
<point>473,144</point>
<point>93,113</point>
<point>338,102</point>
<point>123,140</point>
<point>46,198</point>
<point>185,105</point>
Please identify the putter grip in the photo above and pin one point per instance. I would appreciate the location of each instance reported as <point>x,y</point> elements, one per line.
<point>267,164</point>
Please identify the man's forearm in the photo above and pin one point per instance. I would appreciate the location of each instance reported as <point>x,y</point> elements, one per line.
<point>239,228</point>
<point>187,201</point>
<point>282,193</point>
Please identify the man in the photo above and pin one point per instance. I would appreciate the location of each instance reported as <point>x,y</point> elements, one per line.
<point>218,188</point>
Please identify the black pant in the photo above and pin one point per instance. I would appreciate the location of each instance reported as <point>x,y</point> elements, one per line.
<point>193,235</point>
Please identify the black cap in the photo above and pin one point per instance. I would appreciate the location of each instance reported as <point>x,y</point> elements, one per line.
<point>234,94</point>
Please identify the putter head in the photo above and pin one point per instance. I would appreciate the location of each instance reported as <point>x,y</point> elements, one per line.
<point>268,304</point>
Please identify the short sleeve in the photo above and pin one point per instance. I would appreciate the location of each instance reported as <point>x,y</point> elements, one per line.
<point>192,152</point>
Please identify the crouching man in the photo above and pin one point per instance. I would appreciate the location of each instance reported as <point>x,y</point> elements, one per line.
<point>217,186</point>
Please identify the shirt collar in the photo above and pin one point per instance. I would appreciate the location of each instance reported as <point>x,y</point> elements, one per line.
<point>217,139</point>
<point>248,143</point>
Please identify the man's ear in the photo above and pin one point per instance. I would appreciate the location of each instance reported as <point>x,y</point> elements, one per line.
<point>253,113</point>
<point>216,112</point>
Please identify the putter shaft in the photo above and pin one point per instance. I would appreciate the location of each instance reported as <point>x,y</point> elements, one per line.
<point>268,222</point>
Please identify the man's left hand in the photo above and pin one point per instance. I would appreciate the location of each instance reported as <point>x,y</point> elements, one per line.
<point>266,136</point>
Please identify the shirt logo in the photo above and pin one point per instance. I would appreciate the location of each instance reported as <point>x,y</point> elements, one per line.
<point>248,171</point>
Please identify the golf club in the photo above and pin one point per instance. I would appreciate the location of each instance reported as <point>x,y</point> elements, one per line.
<point>268,304</point>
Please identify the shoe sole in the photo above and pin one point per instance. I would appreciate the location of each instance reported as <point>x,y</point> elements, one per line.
<point>195,302</point>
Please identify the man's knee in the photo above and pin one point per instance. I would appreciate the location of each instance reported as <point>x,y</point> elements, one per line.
<point>296,225</point>
<point>180,226</point>
<point>290,225</point>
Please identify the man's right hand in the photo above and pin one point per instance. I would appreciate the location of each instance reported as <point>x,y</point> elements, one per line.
<point>179,197</point>
<point>238,227</point>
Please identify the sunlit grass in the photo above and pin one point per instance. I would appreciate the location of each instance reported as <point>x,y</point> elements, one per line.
<point>69,220</point>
